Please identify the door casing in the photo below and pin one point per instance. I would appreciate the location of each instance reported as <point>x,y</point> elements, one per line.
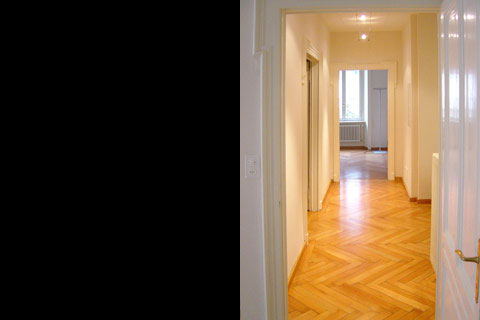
<point>269,48</point>
<point>315,56</point>
<point>391,66</point>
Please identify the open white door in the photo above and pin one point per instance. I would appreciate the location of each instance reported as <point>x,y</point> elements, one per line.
<point>457,280</point>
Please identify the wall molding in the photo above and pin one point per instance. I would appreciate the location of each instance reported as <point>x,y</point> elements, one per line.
<point>424,201</point>
<point>295,266</point>
<point>312,53</point>
<point>391,66</point>
<point>325,195</point>
<point>353,148</point>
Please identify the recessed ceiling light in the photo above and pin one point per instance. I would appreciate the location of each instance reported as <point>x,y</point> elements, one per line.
<point>363,36</point>
<point>363,17</point>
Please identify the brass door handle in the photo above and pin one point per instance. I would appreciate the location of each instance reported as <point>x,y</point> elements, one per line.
<point>467,259</point>
<point>472,259</point>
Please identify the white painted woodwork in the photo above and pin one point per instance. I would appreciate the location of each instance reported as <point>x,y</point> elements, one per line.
<point>311,202</point>
<point>459,222</point>
<point>391,66</point>
<point>434,213</point>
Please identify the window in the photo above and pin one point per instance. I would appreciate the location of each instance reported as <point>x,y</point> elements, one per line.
<point>352,86</point>
<point>352,99</point>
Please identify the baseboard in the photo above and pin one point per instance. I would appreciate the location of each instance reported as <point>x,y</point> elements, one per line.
<point>377,148</point>
<point>414,199</point>
<point>294,269</point>
<point>328,189</point>
<point>428,201</point>
<point>320,206</point>
<point>326,192</point>
<point>353,148</point>
<point>419,201</point>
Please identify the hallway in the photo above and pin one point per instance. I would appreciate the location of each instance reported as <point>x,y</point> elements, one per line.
<point>362,247</point>
<point>363,164</point>
<point>368,256</point>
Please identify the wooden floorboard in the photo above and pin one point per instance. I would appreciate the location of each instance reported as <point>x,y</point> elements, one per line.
<point>363,164</point>
<point>368,256</point>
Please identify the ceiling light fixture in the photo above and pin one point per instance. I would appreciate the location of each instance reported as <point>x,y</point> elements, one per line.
<point>363,20</point>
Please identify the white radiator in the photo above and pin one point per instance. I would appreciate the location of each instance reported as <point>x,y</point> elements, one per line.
<point>352,132</point>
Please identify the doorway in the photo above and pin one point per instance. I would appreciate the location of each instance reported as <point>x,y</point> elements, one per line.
<point>358,115</point>
<point>309,139</point>
<point>269,45</point>
<point>312,96</point>
<point>363,117</point>
<point>311,149</point>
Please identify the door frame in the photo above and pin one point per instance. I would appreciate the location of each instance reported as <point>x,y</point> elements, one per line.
<point>391,66</point>
<point>269,51</point>
<point>316,57</point>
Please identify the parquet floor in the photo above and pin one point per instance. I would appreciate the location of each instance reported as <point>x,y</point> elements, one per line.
<point>363,164</point>
<point>368,256</point>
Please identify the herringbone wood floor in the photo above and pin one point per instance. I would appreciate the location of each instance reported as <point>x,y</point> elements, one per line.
<point>368,256</point>
<point>363,164</point>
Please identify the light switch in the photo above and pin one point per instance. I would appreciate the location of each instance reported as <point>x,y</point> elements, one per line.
<point>251,166</point>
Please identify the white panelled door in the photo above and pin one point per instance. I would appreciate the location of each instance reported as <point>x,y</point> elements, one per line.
<point>459,225</point>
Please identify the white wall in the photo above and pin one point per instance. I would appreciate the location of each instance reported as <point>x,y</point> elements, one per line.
<point>252,253</point>
<point>428,107</point>
<point>378,133</point>
<point>420,124</point>
<point>298,28</point>
<point>409,93</point>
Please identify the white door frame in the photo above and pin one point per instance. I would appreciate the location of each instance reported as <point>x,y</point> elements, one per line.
<point>315,56</point>
<point>269,48</point>
<point>391,66</point>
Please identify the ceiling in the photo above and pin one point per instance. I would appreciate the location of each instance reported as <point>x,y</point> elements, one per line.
<point>375,21</point>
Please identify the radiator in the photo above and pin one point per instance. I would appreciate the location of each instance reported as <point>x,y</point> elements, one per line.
<point>352,132</point>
